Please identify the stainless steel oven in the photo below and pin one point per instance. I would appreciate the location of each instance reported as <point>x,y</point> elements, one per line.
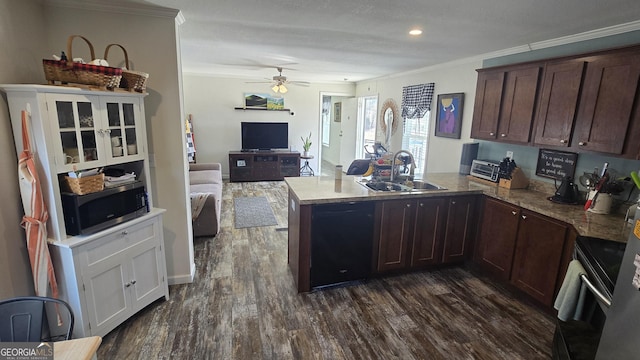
<point>601,259</point>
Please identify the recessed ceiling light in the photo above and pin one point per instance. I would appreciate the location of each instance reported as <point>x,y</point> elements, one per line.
<point>415,32</point>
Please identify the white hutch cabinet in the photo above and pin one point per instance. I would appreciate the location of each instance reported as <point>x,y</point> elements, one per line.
<point>110,275</point>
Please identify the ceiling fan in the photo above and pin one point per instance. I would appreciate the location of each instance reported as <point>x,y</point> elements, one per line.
<point>280,81</point>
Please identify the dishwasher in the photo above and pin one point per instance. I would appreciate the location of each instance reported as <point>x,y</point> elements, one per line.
<point>341,242</point>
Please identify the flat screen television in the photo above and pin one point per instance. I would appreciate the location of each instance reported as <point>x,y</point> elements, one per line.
<point>264,136</point>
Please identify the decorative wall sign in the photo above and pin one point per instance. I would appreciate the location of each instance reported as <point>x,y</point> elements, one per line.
<point>263,101</point>
<point>556,164</point>
<point>449,115</point>
<point>337,112</point>
<point>253,100</point>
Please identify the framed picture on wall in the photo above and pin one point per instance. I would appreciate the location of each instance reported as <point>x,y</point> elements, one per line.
<point>337,112</point>
<point>449,115</point>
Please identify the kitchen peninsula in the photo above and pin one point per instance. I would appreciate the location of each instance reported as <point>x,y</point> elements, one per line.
<point>454,211</point>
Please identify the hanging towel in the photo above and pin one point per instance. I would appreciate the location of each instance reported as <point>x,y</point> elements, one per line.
<point>570,299</point>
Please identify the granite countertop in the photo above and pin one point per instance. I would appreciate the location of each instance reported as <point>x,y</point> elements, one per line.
<point>322,190</point>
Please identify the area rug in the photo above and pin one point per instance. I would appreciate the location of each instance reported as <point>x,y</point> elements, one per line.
<point>253,211</point>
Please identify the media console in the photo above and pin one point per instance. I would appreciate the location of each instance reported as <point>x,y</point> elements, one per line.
<point>263,165</point>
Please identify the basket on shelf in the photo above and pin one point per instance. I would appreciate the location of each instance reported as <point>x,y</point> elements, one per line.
<point>70,71</point>
<point>131,80</point>
<point>85,185</point>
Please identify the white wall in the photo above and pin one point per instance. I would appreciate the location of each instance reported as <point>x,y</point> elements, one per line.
<point>20,62</point>
<point>152,45</point>
<point>211,101</point>
<point>459,76</point>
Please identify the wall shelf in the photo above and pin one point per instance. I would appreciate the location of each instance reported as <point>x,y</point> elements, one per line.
<point>263,109</point>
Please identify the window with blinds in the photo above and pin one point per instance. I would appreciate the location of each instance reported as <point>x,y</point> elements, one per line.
<point>414,139</point>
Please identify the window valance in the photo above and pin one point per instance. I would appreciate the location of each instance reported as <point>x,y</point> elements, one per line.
<point>416,100</point>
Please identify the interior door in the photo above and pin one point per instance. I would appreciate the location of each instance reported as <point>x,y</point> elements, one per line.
<point>348,131</point>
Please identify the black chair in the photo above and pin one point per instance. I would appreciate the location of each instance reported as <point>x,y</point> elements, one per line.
<point>34,319</point>
<point>358,167</point>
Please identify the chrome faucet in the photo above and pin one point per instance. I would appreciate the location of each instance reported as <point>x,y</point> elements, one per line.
<point>397,176</point>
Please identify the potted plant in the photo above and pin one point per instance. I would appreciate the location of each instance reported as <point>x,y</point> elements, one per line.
<point>306,144</point>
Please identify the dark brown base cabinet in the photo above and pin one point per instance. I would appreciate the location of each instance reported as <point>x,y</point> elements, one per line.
<point>263,166</point>
<point>417,233</point>
<point>523,247</point>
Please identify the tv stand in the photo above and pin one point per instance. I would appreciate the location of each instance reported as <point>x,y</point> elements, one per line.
<point>263,165</point>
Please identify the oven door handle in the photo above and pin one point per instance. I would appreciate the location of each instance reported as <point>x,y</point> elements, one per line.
<point>603,299</point>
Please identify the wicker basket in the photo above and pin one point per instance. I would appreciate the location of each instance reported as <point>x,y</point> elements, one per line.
<point>78,73</point>
<point>131,80</point>
<point>85,185</point>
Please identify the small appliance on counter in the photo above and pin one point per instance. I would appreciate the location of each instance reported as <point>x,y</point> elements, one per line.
<point>485,169</point>
<point>567,192</point>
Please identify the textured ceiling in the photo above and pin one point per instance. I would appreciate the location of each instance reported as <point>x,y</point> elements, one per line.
<point>334,40</point>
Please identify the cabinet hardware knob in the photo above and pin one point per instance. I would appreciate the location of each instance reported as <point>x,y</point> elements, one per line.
<point>408,205</point>
<point>421,204</point>
<point>524,217</point>
<point>342,271</point>
<point>582,143</point>
<point>513,212</point>
<point>100,131</point>
<point>127,284</point>
<point>133,282</point>
<point>108,131</point>
<point>563,141</point>
<point>503,135</point>
<point>492,134</point>
<point>453,202</point>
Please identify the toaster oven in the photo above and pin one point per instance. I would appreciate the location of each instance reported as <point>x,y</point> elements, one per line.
<point>485,169</point>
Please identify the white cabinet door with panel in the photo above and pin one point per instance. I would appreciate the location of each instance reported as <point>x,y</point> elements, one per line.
<point>122,273</point>
<point>111,275</point>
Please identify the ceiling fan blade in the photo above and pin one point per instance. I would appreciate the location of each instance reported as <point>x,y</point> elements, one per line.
<point>251,63</point>
<point>299,83</point>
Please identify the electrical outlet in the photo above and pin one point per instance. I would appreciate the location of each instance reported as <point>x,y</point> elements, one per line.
<point>510,154</point>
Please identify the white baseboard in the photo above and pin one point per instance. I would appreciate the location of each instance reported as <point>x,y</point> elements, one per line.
<point>183,279</point>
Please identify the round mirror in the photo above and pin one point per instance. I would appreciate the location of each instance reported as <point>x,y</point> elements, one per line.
<point>390,118</point>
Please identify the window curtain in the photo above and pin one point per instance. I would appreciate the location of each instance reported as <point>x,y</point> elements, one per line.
<point>416,100</point>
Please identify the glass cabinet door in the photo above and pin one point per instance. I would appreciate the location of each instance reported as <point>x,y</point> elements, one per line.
<point>123,117</point>
<point>77,132</point>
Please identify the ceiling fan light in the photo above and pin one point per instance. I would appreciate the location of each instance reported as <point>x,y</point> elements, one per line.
<point>283,89</point>
<point>275,88</point>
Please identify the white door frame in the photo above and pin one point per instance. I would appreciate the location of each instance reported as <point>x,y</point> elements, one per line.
<point>322,94</point>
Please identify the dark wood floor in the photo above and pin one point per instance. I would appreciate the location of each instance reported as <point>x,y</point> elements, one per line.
<point>242,305</point>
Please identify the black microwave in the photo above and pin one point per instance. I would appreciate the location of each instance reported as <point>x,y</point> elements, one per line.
<point>90,213</point>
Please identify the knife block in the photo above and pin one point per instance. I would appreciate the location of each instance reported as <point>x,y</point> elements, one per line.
<point>518,180</point>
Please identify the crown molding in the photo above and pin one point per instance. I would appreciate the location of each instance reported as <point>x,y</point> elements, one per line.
<point>120,7</point>
<point>584,36</point>
<point>588,35</point>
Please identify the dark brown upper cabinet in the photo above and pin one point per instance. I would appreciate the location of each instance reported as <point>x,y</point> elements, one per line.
<point>558,103</point>
<point>587,102</point>
<point>606,107</point>
<point>486,109</point>
<point>505,104</point>
<point>518,104</point>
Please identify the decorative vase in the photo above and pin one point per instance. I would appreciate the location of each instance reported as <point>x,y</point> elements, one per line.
<point>305,153</point>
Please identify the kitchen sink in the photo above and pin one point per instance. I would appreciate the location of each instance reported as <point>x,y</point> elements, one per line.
<point>396,187</point>
<point>423,185</point>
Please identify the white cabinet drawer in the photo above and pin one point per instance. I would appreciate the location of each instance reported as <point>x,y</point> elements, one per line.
<point>119,241</point>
